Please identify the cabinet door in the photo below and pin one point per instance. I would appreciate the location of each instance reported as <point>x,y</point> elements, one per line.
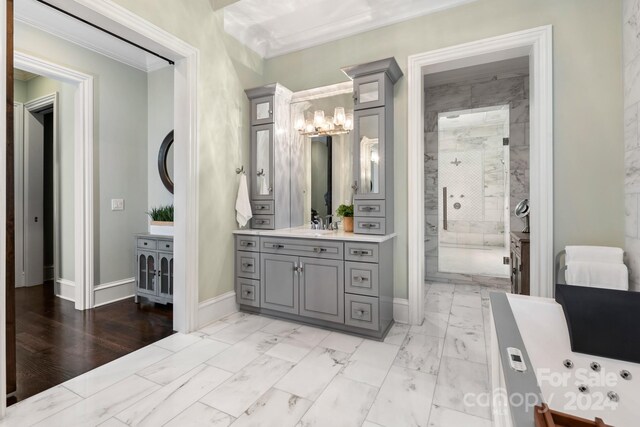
<point>322,289</point>
<point>262,162</point>
<point>368,154</point>
<point>279,282</point>
<point>369,91</point>
<point>262,110</point>
<point>165,276</point>
<point>146,271</point>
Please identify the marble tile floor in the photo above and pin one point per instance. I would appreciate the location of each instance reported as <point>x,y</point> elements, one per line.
<point>249,370</point>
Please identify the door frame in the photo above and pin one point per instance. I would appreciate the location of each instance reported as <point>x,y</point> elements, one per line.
<point>537,44</point>
<point>124,23</point>
<point>83,169</point>
<point>35,106</point>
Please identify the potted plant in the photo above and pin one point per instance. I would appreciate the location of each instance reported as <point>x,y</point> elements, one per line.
<point>161,220</point>
<point>346,212</point>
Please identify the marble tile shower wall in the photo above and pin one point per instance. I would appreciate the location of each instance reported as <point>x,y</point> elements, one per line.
<point>631,58</point>
<point>479,180</point>
<point>504,89</point>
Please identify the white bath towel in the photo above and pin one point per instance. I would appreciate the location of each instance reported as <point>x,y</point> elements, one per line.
<point>593,254</point>
<point>243,204</point>
<point>598,275</point>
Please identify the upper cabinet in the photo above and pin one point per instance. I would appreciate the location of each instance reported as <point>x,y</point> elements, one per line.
<point>262,110</point>
<point>270,172</point>
<point>373,145</point>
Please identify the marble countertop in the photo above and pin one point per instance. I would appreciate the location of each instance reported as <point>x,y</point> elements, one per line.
<point>307,233</point>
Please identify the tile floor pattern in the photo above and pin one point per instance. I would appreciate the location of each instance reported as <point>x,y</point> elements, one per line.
<point>249,370</point>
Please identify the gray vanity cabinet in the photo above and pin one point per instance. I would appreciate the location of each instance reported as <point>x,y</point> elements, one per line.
<point>271,161</point>
<point>322,289</point>
<point>154,268</point>
<point>279,282</point>
<point>373,145</point>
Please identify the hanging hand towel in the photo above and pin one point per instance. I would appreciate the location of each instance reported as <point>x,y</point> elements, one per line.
<point>598,275</point>
<point>243,204</point>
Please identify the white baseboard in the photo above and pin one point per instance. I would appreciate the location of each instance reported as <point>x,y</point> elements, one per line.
<point>401,310</point>
<point>65,289</point>
<point>113,291</point>
<point>216,308</point>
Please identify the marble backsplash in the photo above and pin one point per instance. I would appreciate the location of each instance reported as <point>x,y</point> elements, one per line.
<point>631,59</point>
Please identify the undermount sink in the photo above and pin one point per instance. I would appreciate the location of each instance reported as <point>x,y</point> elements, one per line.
<point>310,232</point>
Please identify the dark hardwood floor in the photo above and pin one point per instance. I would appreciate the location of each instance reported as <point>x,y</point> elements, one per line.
<point>56,342</point>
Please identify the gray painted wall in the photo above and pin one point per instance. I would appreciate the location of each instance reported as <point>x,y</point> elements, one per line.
<point>631,50</point>
<point>120,150</point>
<point>160,123</point>
<point>587,73</point>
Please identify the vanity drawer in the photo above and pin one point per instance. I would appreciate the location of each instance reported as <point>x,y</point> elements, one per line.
<point>262,207</point>
<point>147,243</point>
<point>248,243</point>
<point>369,225</point>
<point>361,278</point>
<point>302,247</point>
<point>248,292</point>
<point>165,245</point>
<point>374,208</point>
<point>361,311</point>
<point>367,252</point>
<point>264,222</point>
<point>248,265</point>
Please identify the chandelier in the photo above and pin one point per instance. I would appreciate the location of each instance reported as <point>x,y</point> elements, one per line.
<point>341,123</point>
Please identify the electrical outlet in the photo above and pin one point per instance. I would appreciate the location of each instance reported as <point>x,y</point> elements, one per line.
<point>117,204</point>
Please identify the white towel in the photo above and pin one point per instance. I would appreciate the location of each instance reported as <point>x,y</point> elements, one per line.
<point>243,204</point>
<point>593,254</point>
<point>597,275</point>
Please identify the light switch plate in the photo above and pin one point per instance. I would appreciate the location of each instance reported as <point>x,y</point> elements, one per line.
<point>117,204</point>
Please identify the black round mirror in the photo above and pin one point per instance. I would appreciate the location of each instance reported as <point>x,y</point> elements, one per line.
<point>165,162</point>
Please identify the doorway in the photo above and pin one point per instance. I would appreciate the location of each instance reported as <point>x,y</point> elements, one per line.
<point>536,45</point>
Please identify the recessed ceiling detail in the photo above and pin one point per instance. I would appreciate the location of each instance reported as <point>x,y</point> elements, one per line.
<point>276,27</point>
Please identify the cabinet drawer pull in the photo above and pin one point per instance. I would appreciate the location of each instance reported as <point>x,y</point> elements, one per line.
<point>277,246</point>
<point>361,279</point>
<point>360,252</point>
<point>369,225</point>
<point>261,207</point>
<point>262,221</point>
<point>144,243</point>
<point>247,293</point>
<point>247,244</point>
<point>368,208</point>
<point>167,246</point>
<point>247,265</point>
<point>319,250</point>
<point>361,313</point>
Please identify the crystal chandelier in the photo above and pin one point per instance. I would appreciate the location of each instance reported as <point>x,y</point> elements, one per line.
<point>321,125</point>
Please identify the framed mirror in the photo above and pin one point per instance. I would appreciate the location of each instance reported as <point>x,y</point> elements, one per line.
<point>165,162</point>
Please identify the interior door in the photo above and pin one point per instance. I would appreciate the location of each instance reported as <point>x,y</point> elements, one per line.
<point>34,198</point>
<point>322,289</point>
<point>280,282</point>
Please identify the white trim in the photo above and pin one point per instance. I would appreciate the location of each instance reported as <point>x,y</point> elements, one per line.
<point>18,176</point>
<point>216,308</point>
<point>401,310</point>
<point>115,283</point>
<point>83,168</point>
<point>537,44</point>
<point>123,289</point>
<point>66,290</point>
<point>323,92</point>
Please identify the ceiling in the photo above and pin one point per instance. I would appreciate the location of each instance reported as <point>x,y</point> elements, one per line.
<point>23,76</point>
<point>65,27</point>
<point>275,27</point>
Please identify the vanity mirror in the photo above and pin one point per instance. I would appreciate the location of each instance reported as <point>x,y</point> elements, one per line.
<point>327,157</point>
<point>165,162</point>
